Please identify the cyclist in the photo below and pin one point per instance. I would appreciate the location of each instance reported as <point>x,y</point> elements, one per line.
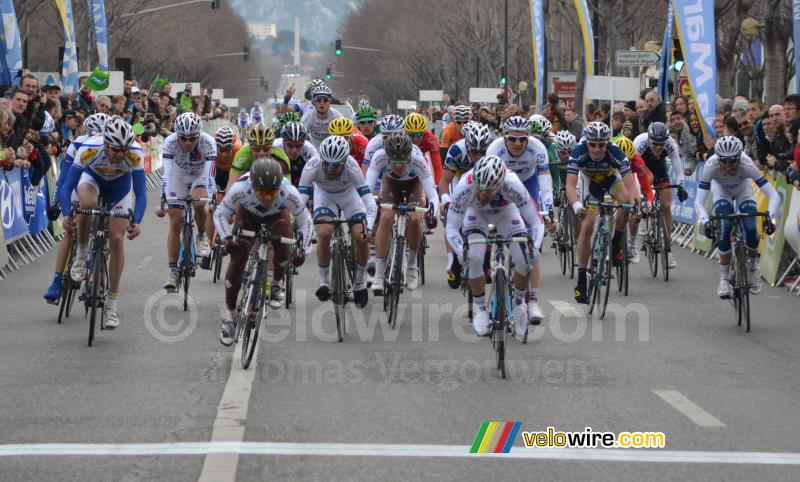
<point>362,103</point>
<point>461,157</point>
<point>489,193</point>
<point>284,119</point>
<point>366,117</point>
<point>294,142</point>
<point>344,127</point>
<point>317,120</point>
<point>606,169</point>
<point>655,146</point>
<point>262,196</point>
<point>243,121</point>
<point>452,132</point>
<point>94,126</point>
<point>189,155</point>
<point>110,167</point>
<point>416,126</point>
<point>390,124</point>
<point>227,147</point>
<point>565,142</point>
<point>542,129</point>
<point>259,144</point>
<point>527,157</point>
<point>643,182</point>
<point>302,107</point>
<point>401,169</point>
<point>727,174</point>
<point>256,113</point>
<point>337,184</point>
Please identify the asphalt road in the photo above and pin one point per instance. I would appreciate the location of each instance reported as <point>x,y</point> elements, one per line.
<point>160,398</point>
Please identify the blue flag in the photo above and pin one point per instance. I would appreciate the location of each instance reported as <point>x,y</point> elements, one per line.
<point>69,69</point>
<point>796,42</point>
<point>538,34</point>
<point>11,53</point>
<point>666,61</point>
<point>97,9</point>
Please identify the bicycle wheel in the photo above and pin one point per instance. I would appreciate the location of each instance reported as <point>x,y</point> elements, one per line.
<point>421,258</point>
<point>216,259</point>
<point>744,287</point>
<point>339,293</point>
<point>188,261</point>
<point>653,244</point>
<point>664,247</point>
<point>256,297</point>
<point>499,322</point>
<point>592,273</point>
<point>63,298</point>
<point>608,267</point>
<point>560,245</point>
<point>622,271</point>
<point>289,277</point>
<point>97,280</point>
<point>396,280</point>
<point>626,266</point>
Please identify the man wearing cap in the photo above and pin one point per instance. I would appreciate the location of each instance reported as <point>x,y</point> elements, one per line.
<point>52,91</point>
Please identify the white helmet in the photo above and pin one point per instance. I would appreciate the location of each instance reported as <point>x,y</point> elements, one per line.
<point>188,124</point>
<point>489,173</point>
<point>94,123</point>
<point>540,125</point>
<point>728,148</point>
<point>565,141</point>
<point>118,133</point>
<point>516,123</point>
<point>461,113</point>
<point>479,137</point>
<point>334,150</point>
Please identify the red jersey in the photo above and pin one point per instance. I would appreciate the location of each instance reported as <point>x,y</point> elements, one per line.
<point>640,169</point>
<point>431,145</point>
<point>358,146</point>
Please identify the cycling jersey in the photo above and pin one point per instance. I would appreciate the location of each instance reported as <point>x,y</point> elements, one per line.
<point>640,169</point>
<point>658,165</point>
<point>430,146</point>
<point>451,134</point>
<point>358,147</point>
<point>257,115</point>
<point>296,168</point>
<point>112,180</point>
<point>416,168</point>
<point>457,160</point>
<point>244,120</point>
<point>225,166</point>
<point>532,168</point>
<point>244,159</point>
<point>613,161</point>
<point>348,183</point>
<point>318,128</point>
<point>243,195</point>
<point>374,145</point>
<point>68,159</point>
<point>194,168</point>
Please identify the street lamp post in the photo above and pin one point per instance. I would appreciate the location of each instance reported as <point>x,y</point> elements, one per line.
<point>505,47</point>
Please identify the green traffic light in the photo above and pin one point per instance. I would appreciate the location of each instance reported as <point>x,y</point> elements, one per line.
<point>338,51</point>
<point>503,80</point>
<point>328,76</point>
<point>678,65</point>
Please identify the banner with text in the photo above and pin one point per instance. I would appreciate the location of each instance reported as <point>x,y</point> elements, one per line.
<point>12,47</point>
<point>98,19</point>
<point>537,36</point>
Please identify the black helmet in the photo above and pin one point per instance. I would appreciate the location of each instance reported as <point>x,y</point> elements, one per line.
<point>398,145</point>
<point>266,173</point>
<point>657,132</point>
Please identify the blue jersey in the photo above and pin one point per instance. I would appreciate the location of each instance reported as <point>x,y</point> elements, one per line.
<point>457,159</point>
<point>598,170</point>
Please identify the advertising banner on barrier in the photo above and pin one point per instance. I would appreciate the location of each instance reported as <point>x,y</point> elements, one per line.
<point>773,245</point>
<point>14,225</point>
<point>762,204</point>
<point>684,212</point>
<point>700,240</point>
<point>52,175</point>
<point>3,251</point>
<point>791,228</point>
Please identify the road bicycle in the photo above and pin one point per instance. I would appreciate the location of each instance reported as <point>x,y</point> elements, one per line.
<point>187,257</point>
<point>656,243</point>
<point>600,265</point>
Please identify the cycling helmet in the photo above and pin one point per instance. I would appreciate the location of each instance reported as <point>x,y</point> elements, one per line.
<point>540,125</point>
<point>294,131</point>
<point>391,123</point>
<point>322,91</point>
<point>461,113</point>
<point>489,173</point>
<point>468,126</point>
<point>266,173</point>
<point>118,133</point>
<point>728,148</point>
<point>256,104</point>
<point>565,141</point>
<point>316,82</point>
<point>597,132</point>
<point>397,146</point>
<point>657,132</point>
<point>626,145</point>
<point>289,117</point>
<point>334,150</point>
<point>366,114</point>
<point>415,123</point>
<point>478,138</point>
<point>188,124</point>
<point>362,103</point>
<point>94,123</point>
<point>260,134</point>
<point>516,123</point>
<point>341,126</point>
<point>224,137</point>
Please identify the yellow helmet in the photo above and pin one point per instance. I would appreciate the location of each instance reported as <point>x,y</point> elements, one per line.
<point>415,123</point>
<point>260,135</point>
<point>627,146</point>
<point>341,126</point>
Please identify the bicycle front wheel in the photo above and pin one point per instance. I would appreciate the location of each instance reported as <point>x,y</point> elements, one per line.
<point>396,280</point>
<point>339,290</point>
<point>96,292</point>
<point>664,247</point>
<point>605,279</point>
<point>256,296</point>
<point>743,286</point>
<point>651,244</point>
<point>188,262</point>
<point>500,320</point>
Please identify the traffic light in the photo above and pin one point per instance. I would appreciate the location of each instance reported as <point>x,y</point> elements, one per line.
<point>215,4</point>
<point>328,73</point>
<point>266,85</point>
<point>246,52</point>
<point>503,78</point>
<point>262,81</point>
<point>677,55</point>
<point>339,47</point>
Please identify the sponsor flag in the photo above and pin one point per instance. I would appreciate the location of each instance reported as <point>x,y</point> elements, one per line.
<point>537,35</point>
<point>97,16</point>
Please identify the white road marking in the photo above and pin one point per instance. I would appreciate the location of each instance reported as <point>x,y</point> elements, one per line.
<point>693,412</point>
<point>568,309</point>
<point>230,422</point>
<point>397,450</point>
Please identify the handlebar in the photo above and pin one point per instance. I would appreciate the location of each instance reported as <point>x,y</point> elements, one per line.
<point>593,202</point>
<point>737,216</point>
<point>280,239</point>
<point>189,199</point>
<point>671,186</point>
<point>334,221</point>
<point>404,208</point>
<point>498,240</point>
<point>104,213</point>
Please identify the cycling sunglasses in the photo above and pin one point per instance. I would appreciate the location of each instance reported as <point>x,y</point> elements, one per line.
<point>597,145</point>
<point>326,100</point>
<point>517,140</point>
<point>728,160</point>
<point>398,161</point>
<point>332,165</point>
<point>294,145</point>
<point>187,138</point>
<point>267,192</point>
<point>415,134</point>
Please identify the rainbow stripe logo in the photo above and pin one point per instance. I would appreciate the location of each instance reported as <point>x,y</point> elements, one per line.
<point>495,438</point>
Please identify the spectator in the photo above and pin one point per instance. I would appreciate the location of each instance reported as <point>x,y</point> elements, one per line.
<point>208,102</point>
<point>724,106</point>
<point>697,132</point>
<point>34,112</point>
<point>687,143</point>
<point>186,92</point>
<point>9,159</point>
<point>755,109</point>
<point>791,107</point>
<point>104,105</point>
<point>134,108</point>
<point>616,124</point>
<point>778,153</point>
<point>19,105</point>
<point>627,130</point>
<point>554,113</point>
<point>53,92</point>
<point>589,112</point>
<point>118,103</point>
<point>84,101</point>
<point>127,88</point>
<point>154,104</point>
<point>747,129</point>
<point>656,109</point>
<point>574,125</point>
<point>681,105</point>
<point>739,110</point>
<point>166,91</point>
<point>502,103</point>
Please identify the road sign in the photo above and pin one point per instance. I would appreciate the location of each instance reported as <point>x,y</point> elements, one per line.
<point>636,58</point>
<point>431,95</point>
<point>484,95</point>
<point>406,104</point>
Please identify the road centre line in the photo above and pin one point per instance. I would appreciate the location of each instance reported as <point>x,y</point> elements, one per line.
<point>398,450</point>
<point>691,410</point>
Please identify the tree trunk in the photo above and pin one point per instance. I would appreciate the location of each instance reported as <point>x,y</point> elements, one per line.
<point>775,67</point>
<point>725,79</point>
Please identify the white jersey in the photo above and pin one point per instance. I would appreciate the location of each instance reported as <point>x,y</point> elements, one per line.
<point>350,180</point>
<point>734,188</point>
<point>642,144</point>
<point>416,168</point>
<point>243,195</point>
<point>307,153</point>
<point>257,115</point>
<point>513,192</point>
<point>92,155</point>
<point>374,145</point>
<point>318,128</point>
<point>533,160</point>
<point>195,167</point>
